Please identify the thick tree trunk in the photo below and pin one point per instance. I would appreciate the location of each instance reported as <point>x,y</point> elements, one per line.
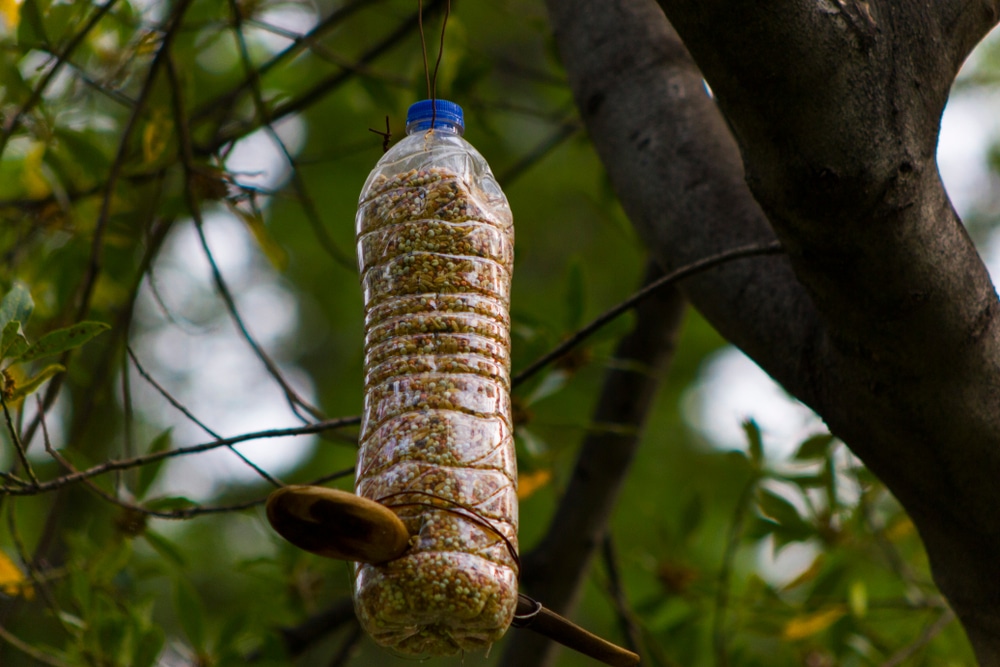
<point>883,317</point>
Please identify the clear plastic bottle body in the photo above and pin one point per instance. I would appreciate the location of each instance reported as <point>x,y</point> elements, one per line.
<point>435,250</point>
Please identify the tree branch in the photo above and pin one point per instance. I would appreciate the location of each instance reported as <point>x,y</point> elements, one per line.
<point>124,464</point>
<point>554,572</point>
<point>889,326</point>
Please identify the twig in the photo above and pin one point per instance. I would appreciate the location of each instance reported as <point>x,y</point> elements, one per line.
<point>423,45</point>
<point>30,650</point>
<point>36,94</point>
<point>626,619</point>
<point>753,250</point>
<point>97,245</point>
<point>349,647</point>
<point>187,157</point>
<point>226,100</point>
<point>174,402</point>
<point>109,466</point>
<point>719,625</point>
<point>308,204</point>
<point>128,445</point>
<point>328,85</point>
<point>185,513</point>
<point>929,633</point>
<point>12,478</point>
<point>104,367</point>
<point>22,455</point>
<point>555,570</point>
<point>165,394</point>
<point>39,584</point>
<point>894,559</point>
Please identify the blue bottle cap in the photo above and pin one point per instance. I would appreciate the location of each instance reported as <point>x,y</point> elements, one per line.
<point>447,114</point>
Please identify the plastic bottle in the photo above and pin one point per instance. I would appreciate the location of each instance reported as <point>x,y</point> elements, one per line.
<point>435,245</point>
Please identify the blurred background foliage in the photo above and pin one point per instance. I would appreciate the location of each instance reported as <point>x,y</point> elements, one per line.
<point>181,170</point>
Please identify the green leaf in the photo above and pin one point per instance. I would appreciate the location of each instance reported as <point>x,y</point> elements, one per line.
<point>755,442</point>
<point>112,633</point>
<point>148,472</point>
<point>61,340</point>
<point>165,548</point>
<point>806,481</point>
<point>533,445</point>
<point>829,475</point>
<point>16,306</point>
<point>31,30</point>
<point>190,613</point>
<point>791,527</point>
<point>73,620</point>
<point>148,649</point>
<point>761,528</point>
<point>110,562</point>
<point>13,343</point>
<point>30,386</point>
<point>691,516</point>
<point>778,508</point>
<point>552,383</point>
<point>814,447</point>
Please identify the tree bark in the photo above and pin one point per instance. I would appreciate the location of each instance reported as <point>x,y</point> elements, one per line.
<point>883,318</point>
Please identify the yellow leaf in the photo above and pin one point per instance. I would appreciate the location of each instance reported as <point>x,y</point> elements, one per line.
<point>801,627</point>
<point>528,483</point>
<point>35,180</point>
<point>12,581</point>
<point>11,12</point>
<point>155,136</point>
<point>857,597</point>
<point>268,245</point>
<point>899,529</point>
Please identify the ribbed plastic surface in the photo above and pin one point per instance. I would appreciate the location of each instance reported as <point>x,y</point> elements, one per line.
<point>436,249</point>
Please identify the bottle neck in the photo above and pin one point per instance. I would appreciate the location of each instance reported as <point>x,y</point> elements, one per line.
<point>441,125</point>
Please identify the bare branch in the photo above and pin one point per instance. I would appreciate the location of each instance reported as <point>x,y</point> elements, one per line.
<point>327,85</point>
<point>15,440</point>
<point>165,394</point>
<point>228,100</point>
<point>187,158</point>
<point>694,268</point>
<point>174,402</point>
<point>626,618</point>
<point>929,633</point>
<point>308,205</point>
<point>112,465</point>
<point>30,650</point>
<point>14,120</point>
<point>554,572</point>
<point>97,245</point>
<point>720,626</point>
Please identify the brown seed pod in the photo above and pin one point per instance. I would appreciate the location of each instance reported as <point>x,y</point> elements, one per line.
<point>337,524</point>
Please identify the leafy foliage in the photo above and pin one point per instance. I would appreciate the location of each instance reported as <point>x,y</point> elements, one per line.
<point>183,176</point>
